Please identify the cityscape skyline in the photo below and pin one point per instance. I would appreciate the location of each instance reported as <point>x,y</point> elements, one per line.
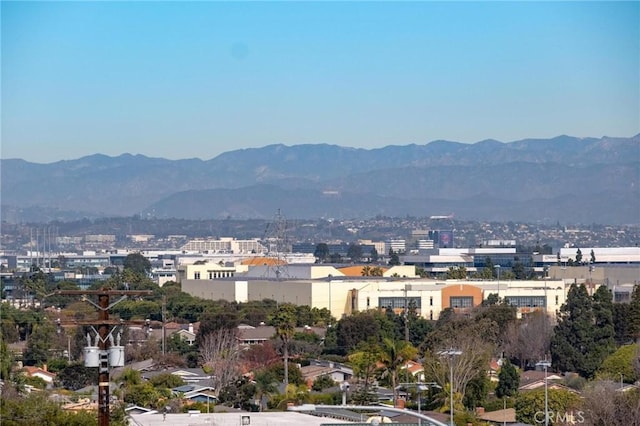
<point>175,80</point>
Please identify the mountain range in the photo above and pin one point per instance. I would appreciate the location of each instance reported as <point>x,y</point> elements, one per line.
<point>566,179</point>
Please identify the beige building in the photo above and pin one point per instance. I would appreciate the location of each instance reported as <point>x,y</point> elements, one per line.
<point>345,295</point>
<point>204,270</point>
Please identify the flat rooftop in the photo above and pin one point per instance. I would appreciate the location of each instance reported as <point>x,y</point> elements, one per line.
<point>280,418</point>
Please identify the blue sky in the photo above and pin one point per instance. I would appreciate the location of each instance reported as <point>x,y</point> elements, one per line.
<point>182,80</point>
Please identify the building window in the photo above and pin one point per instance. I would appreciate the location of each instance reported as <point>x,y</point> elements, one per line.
<point>461,301</point>
<point>557,299</point>
<point>621,296</point>
<point>368,302</point>
<point>527,301</point>
<point>431,301</point>
<point>196,275</point>
<point>399,302</point>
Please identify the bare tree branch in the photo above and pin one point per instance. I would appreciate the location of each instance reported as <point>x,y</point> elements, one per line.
<point>220,352</point>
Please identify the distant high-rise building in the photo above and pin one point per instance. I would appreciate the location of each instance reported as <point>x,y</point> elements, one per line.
<point>443,238</point>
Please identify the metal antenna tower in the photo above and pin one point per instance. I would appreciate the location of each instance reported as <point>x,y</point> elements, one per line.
<point>275,239</point>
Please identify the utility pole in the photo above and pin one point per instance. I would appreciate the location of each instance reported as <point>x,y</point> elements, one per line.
<point>406,315</point>
<point>107,352</point>
<point>164,320</point>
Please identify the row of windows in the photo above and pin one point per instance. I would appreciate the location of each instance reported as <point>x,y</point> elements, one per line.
<point>517,301</point>
<point>527,301</point>
<point>461,301</point>
<point>399,302</point>
<point>505,261</point>
<point>214,275</point>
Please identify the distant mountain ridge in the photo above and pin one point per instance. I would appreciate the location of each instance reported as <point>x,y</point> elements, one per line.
<point>586,180</point>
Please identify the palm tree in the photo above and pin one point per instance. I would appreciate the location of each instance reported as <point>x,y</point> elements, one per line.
<point>284,321</point>
<point>128,379</point>
<point>296,394</point>
<point>265,385</point>
<point>393,354</point>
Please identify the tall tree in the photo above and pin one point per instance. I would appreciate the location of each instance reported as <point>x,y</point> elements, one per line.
<point>574,333</point>
<point>604,342</point>
<point>518,270</point>
<point>352,330</point>
<point>322,252</point>
<point>213,321</point>
<point>503,315</point>
<point>77,376</point>
<point>508,380</point>
<point>528,339</point>
<point>354,252</point>
<point>634,313</point>
<point>474,338</point>
<point>394,354</point>
<point>220,353</point>
<point>6,360</point>
<point>394,259</point>
<point>137,263</point>
<point>364,361</point>
<point>578,257</point>
<point>621,323</point>
<point>373,256</point>
<point>284,321</point>
<point>38,344</point>
<point>419,326</point>
<point>265,383</point>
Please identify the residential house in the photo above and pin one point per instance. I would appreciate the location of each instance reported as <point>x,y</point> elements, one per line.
<point>195,393</point>
<point>414,368</point>
<point>494,369</point>
<point>41,373</point>
<point>188,334</point>
<point>505,416</point>
<point>191,376</point>
<point>338,372</point>
<point>534,379</point>
<point>249,335</point>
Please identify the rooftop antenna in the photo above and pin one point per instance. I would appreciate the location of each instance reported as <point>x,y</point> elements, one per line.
<point>275,239</point>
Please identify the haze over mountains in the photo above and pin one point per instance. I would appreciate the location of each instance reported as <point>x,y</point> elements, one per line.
<point>566,179</point>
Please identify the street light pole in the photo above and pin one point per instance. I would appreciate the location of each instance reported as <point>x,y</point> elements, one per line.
<point>504,411</point>
<point>344,387</point>
<point>451,353</point>
<point>420,387</point>
<point>545,364</point>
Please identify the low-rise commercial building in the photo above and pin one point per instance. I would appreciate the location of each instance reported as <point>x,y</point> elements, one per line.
<point>346,295</point>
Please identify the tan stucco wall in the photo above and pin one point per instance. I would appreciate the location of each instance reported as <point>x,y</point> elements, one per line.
<point>461,290</point>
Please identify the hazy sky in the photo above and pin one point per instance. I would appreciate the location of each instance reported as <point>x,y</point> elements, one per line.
<point>182,80</point>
